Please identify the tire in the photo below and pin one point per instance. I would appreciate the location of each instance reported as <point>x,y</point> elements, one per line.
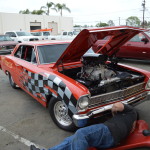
<point>59,115</point>
<point>11,81</point>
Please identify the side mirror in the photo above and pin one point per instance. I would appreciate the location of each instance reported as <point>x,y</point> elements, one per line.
<point>145,40</point>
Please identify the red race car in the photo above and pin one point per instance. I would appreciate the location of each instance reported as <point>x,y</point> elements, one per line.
<point>77,86</point>
<point>137,47</point>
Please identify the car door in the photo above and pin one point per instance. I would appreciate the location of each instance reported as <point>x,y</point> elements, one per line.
<point>25,60</point>
<point>135,48</point>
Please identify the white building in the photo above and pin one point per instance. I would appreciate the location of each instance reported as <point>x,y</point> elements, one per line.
<point>27,22</point>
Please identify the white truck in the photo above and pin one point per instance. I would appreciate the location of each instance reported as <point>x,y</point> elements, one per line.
<point>42,35</point>
<point>65,35</point>
<point>21,36</point>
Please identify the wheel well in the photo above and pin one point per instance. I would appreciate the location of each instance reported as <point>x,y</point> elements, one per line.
<point>48,100</point>
<point>6,72</point>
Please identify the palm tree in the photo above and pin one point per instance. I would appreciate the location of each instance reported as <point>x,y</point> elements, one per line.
<point>60,7</point>
<point>49,6</point>
<point>24,11</point>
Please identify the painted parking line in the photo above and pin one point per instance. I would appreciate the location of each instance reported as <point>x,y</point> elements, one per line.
<point>20,139</point>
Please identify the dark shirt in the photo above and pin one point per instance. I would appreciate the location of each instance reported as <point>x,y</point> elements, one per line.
<point>121,124</point>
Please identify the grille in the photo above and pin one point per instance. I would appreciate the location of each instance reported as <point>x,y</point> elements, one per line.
<point>117,95</point>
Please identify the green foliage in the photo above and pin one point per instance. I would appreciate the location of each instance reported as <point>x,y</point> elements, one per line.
<point>133,21</point>
<point>77,25</point>
<point>110,23</point>
<point>61,7</point>
<point>38,12</point>
<point>146,24</point>
<point>24,11</point>
<point>48,6</point>
<point>46,9</point>
<point>101,24</point>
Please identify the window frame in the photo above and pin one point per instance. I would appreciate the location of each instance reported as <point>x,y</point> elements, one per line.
<point>22,48</point>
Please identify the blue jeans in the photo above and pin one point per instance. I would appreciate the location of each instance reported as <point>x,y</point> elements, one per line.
<point>97,136</point>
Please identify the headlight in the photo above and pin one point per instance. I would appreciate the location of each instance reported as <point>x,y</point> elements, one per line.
<point>148,85</point>
<point>83,102</point>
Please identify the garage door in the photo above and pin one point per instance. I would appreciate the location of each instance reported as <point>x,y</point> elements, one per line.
<point>35,25</point>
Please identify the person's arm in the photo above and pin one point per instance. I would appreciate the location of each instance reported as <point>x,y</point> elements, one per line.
<point>120,107</point>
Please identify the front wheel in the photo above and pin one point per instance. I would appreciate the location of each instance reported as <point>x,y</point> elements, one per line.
<point>11,81</point>
<point>59,115</point>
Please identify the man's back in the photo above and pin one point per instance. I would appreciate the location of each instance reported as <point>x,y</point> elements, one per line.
<point>121,124</point>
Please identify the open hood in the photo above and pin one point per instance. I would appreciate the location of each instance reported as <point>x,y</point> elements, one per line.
<point>88,37</point>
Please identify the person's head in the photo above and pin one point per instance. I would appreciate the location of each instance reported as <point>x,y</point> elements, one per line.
<point>117,107</point>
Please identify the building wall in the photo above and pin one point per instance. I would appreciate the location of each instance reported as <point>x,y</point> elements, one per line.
<point>11,22</point>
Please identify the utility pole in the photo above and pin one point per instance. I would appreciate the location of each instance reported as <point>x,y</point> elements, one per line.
<point>143,5</point>
<point>119,21</point>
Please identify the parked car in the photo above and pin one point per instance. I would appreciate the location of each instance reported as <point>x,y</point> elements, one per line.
<point>74,85</point>
<point>42,35</point>
<point>137,47</point>
<point>7,43</point>
<point>21,36</point>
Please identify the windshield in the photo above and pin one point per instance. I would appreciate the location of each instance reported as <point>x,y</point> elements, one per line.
<point>23,34</point>
<point>46,33</point>
<point>76,32</point>
<point>36,33</point>
<point>5,38</point>
<point>51,53</point>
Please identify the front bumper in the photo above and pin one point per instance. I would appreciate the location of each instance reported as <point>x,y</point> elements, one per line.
<point>81,120</point>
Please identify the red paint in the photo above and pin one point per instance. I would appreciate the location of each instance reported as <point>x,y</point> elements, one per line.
<point>135,140</point>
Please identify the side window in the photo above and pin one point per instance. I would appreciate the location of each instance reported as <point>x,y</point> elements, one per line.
<point>26,53</point>
<point>19,52</point>
<point>64,33</point>
<point>11,34</point>
<point>70,33</point>
<point>137,38</point>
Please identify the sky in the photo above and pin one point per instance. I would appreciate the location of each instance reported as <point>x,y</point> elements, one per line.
<point>85,12</point>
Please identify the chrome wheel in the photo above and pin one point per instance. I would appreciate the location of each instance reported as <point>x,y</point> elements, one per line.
<point>61,114</point>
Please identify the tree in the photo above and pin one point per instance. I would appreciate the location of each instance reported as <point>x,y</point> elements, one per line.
<point>24,11</point>
<point>61,7</point>
<point>110,23</point>
<point>77,25</point>
<point>38,12</point>
<point>133,21</point>
<point>101,24</point>
<point>49,6</point>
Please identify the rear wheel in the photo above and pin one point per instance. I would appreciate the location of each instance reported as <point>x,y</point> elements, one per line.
<point>11,81</point>
<point>59,114</point>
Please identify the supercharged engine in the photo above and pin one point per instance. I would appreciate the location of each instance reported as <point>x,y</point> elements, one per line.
<point>101,77</point>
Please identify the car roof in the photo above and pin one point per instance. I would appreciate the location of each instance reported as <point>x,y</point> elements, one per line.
<point>46,42</point>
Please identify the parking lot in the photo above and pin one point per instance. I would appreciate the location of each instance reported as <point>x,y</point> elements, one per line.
<point>24,121</point>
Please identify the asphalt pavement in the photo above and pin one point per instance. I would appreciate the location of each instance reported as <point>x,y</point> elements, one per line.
<point>24,121</point>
